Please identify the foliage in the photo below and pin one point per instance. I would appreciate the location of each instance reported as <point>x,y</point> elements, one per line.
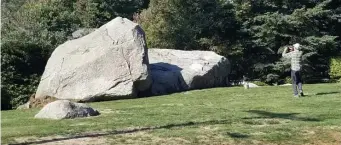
<point>30,33</point>
<point>21,67</point>
<point>335,67</point>
<point>288,80</point>
<point>109,9</point>
<point>188,25</point>
<point>272,79</point>
<point>270,25</point>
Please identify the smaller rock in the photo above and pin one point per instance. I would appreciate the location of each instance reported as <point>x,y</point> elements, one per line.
<point>249,85</point>
<point>187,92</point>
<point>65,109</point>
<point>24,106</point>
<point>252,85</point>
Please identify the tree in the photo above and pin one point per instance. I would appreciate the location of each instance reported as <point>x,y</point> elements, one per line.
<point>189,25</point>
<point>30,31</point>
<point>267,26</point>
<point>109,9</point>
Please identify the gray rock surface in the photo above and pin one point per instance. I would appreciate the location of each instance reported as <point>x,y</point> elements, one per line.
<point>24,106</point>
<point>82,32</point>
<point>65,109</point>
<point>176,70</point>
<point>109,63</point>
<point>250,85</point>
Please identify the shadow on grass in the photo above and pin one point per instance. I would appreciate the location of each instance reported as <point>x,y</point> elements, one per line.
<point>126,131</point>
<point>291,116</point>
<point>237,135</point>
<point>327,93</point>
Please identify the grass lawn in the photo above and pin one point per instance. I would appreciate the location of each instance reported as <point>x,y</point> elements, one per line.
<point>265,115</point>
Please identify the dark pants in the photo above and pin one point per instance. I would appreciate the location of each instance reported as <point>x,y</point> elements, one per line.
<point>296,81</point>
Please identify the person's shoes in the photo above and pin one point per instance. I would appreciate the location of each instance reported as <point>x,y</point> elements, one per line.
<point>301,94</point>
<point>296,96</point>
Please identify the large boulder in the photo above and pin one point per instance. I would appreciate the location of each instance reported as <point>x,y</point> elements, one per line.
<point>109,63</point>
<point>82,32</point>
<point>65,109</point>
<point>177,70</point>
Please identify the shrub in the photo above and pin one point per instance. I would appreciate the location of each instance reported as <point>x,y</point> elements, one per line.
<point>272,79</point>
<point>21,67</point>
<point>335,68</point>
<point>191,24</point>
<point>5,99</point>
<point>288,80</point>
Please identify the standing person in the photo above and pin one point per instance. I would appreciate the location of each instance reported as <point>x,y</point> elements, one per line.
<point>296,56</point>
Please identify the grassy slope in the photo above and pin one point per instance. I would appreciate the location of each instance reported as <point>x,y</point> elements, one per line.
<point>219,115</point>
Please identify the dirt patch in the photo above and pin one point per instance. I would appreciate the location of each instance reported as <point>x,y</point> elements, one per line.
<point>322,137</point>
<point>37,103</point>
<point>265,122</point>
<point>62,140</point>
<point>208,128</point>
<point>333,127</point>
<point>336,136</point>
<point>145,138</point>
<point>172,104</point>
<point>41,102</point>
<point>308,132</point>
<point>102,137</point>
<point>312,136</point>
<point>109,111</point>
<point>258,133</point>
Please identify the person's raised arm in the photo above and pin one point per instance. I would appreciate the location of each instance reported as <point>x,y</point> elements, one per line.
<point>285,54</point>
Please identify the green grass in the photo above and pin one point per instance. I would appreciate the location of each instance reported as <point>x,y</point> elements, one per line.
<point>233,115</point>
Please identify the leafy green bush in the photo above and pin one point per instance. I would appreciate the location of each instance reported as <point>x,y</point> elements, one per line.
<point>5,99</point>
<point>190,24</point>
<point>30,33</point>
<point>335,68</point>
<point>21,67</point>
<point>109,9</point>
<point>272,79</point>
<point>288,80</point>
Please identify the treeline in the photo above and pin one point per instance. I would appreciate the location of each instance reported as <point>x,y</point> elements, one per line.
<point>250,33</point>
